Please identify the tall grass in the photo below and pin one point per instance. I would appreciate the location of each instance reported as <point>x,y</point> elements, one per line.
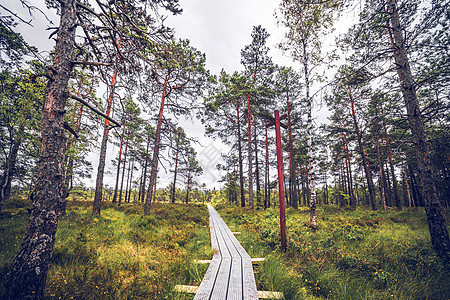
<point>122,254</point>
<point>354,254</point>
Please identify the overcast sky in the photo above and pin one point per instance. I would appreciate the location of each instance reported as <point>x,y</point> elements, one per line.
<point>216,27</point>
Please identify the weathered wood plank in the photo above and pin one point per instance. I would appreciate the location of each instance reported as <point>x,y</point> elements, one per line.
<point>270,295</point>
<point>249,283</point>
<point>220,288</point>
<point>207,284</point>
<point>235,283</point>
<point>190,289</point>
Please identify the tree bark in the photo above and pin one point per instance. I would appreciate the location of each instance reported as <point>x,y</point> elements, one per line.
<point>436,221</point>
<point>28,271</point>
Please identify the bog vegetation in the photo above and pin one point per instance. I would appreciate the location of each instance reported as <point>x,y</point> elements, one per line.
<point>118,78</point>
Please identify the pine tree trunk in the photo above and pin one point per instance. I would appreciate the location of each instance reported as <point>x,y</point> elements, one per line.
<point>250,163</point>
<point>391,164</point>
<point>365,162</point>
<point>175,173</point>
<point>28,271</point>
<point>102,159</point>
<point>144,176</point>
<point>154,163</point>
<point>123,171</point>
<point>294,201</point>
<point>436,221</point>
<point>10,166</point>
<point>311,172</point>
<point>258,186</point>
<point>349,170</point>
<point>266,173</point>
<point>118,167</point>
<point>241,168</point>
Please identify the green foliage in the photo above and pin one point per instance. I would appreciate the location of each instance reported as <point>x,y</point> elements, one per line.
<point>354,254</point>
<point>122,254</point>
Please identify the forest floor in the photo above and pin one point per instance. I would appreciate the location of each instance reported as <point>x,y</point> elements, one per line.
<point>354,254</point>
<point>120,255</point>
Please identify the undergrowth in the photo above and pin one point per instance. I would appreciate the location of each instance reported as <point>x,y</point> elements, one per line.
<point>353,254</point>
<point>120,255</point>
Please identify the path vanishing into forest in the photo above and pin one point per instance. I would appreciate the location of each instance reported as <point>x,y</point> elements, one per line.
<point>230,273</point>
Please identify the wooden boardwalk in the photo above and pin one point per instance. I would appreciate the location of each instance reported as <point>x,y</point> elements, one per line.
<point>230,274</point>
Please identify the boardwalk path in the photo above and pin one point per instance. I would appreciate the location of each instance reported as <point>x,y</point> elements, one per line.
<point>230,274</point>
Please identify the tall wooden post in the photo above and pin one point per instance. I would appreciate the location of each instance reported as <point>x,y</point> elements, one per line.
<point>280,180</point>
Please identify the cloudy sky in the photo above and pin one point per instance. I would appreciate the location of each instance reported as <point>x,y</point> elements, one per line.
<point>216,27</point>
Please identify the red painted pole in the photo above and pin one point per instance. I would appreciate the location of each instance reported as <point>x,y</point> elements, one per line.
<point>280,180</point>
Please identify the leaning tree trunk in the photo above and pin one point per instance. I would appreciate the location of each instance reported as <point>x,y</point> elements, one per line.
<point>28,271</point>
<point>364,160</point>
<point>436,221</point>
<point>102,160</point>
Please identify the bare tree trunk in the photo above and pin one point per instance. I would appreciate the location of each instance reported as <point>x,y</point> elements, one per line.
<point>118,166</point>
<point>154,164</point>
<point>311,171</point>
<point>250,163</point>
<point>266,173</point>
<point>123,172</point>
<point>144,176</point>
<point>102,160</point>
<point>292,196</point>
<point>6,178</point>
<point>28,271</point>
<point>175,172</point>
<point>241,168</point>
<point>391,164</point>
<point>258,186</point>
<point>436,221</point>
<point>365,162</point>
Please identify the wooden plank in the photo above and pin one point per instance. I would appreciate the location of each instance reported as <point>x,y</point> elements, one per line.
<point>258,260</point>
<point>249,283</point>
<point>190,289</point>
<point>220,288</point>
<point>207,284</point>
<point>270,295</point>
<point>202,261</point>
<point>235,282</point>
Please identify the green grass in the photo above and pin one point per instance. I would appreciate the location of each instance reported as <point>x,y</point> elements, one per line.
<point>354,254</point>
<point>120,255</point>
